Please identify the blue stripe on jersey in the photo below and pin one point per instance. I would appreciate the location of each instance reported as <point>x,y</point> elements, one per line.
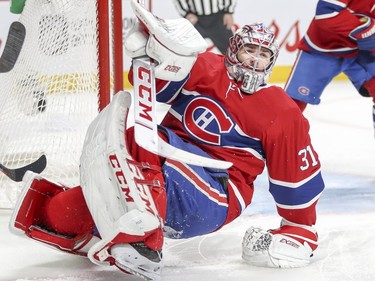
<point>326,8</point>
<point>170,91</point>
<point>302,194</point>
<point>234,139</point>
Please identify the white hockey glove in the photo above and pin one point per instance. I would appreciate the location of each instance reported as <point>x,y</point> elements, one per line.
<point>170,66</point>
<point>174,44</point>
<point>135,41</point>
<point>287,247</point>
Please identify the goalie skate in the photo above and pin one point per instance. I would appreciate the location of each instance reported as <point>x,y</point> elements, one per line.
<point>139,260</point>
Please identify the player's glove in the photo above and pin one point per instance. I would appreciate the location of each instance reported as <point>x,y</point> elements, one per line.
<point>289,246</point>
<point>364,34</point>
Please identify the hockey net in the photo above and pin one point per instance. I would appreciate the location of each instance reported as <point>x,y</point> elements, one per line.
<point>54,77</point>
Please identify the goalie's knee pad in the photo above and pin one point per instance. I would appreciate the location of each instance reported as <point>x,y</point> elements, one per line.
<point>54,215</point>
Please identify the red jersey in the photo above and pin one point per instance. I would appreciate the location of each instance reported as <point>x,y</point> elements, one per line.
<point>330,28</point>
<point>266,128</point>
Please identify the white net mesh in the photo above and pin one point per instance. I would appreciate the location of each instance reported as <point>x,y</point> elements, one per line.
<point>50,96</point>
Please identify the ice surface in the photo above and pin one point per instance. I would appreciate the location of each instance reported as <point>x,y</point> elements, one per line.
<point>342,133</point>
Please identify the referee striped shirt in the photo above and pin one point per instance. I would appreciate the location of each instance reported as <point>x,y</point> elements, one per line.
<point>204,7</point>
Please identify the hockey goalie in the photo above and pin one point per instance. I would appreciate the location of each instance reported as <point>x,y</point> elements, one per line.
<point>221,108</point>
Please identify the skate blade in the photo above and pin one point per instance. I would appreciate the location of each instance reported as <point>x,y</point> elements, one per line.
<point>131,269</point>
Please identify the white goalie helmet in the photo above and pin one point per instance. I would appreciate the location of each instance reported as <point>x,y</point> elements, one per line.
<point>251,54</point>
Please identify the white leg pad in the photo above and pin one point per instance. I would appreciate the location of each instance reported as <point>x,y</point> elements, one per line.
<point>117,202</point>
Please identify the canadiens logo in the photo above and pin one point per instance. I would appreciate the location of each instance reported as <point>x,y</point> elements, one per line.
<point>206,120</point>
<point>304,90</point>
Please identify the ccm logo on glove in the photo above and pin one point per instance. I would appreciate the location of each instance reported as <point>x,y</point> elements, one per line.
<point>172,68</point>
<point>289,242</point>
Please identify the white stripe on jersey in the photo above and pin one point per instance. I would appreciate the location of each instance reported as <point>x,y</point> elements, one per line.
<point>201,185</point>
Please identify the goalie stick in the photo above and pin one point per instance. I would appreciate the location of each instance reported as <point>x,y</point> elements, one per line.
<point>146,133</point>
<point>17,174</point>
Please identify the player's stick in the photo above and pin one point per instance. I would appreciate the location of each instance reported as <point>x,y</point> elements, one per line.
<point>17,174</point>
<point>13,46</point>
<point>146,133</point>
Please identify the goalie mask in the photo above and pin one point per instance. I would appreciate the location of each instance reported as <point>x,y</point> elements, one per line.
<point>251,55</point>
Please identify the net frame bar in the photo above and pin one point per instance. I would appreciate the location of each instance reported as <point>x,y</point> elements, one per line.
<point>109,26</point>
<point>118,65</point>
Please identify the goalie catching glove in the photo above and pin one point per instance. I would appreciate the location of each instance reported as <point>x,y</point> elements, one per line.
<point>289,246</point>
<point>173,44</point>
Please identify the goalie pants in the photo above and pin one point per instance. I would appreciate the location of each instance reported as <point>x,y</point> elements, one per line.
<point>196,199</point>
